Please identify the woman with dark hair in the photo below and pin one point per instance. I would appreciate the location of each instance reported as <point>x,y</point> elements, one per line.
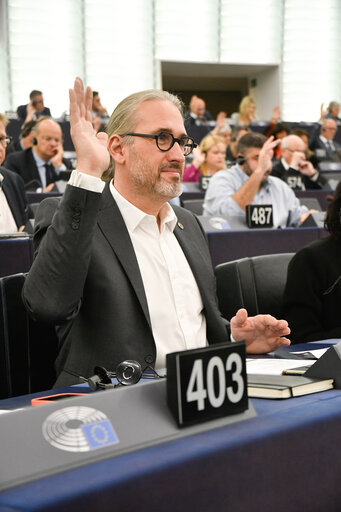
<point>312,297</point>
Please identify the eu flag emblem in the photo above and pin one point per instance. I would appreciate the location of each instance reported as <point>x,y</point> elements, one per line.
<point>99,434</point>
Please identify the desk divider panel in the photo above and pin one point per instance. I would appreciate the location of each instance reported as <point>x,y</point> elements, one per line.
<point>74,432</point>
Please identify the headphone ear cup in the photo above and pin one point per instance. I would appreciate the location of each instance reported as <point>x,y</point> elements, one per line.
<point>128,372</point>
<point>34,141</point>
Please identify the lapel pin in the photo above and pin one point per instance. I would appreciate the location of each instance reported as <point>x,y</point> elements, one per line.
<point>181,226</point>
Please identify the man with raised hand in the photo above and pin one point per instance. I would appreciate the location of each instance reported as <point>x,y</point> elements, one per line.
<point>121,273</point>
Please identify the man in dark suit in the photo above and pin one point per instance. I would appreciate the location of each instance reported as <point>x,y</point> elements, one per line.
<point>13,203</point>
<point>323,144</point>
<point>120,272</point>
<point>41,165</point>
<point>34,109</point>
<point>294,168</point>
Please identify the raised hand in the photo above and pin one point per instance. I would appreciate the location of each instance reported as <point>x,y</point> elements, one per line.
<point>265,156</point>
<point>262,333</point>
<point>198,157</point>
<point>91,149</point>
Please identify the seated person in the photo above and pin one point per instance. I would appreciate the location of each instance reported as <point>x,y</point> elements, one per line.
<point>294,168</point>
<point>309,154</point>
<point>208,158</point>
<point>222,128</point>
<point>248,182</point>
<point>197,111</point>
<point>246,114</point>
<point>34,109</point>
<point>25,139</point>
<point>40,165</point>
<point>322,144</point>
<point>123,274</point>
<point>312,296</point>
<point>279,131</point>
<point>98,112</point>
<point>14,210</point>
<point>332,112</point>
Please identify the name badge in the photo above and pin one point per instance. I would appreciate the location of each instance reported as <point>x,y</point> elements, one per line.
<point>295,182</point>
<point>204,181</point>
<point>259,216</point>
<point>207,383</point>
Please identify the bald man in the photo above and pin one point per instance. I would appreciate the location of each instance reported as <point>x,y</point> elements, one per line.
<point>323,144</point>
<point>40,166</point>
<point>294,168</point>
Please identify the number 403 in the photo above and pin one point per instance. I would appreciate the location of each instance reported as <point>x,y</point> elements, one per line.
<point>196,391</point>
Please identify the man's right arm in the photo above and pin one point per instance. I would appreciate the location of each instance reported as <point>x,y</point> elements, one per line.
<point>63,240</point>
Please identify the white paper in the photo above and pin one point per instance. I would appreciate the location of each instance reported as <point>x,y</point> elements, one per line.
<point>273,366</point>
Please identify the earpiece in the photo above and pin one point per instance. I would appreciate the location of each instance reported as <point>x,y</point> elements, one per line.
<point>241,160</point>
<point>34,141</point>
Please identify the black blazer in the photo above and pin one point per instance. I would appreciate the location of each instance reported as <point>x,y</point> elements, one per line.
<point>23,163</point>
<point>22,112</point>
<point>14,190</point>
<point>312,297</point>
<point>321,152</point>
<point>13,147</point>
<point>86,279</point>
<point>295,179</point>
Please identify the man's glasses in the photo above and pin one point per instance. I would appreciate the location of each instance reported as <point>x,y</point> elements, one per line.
<point>5,140</point>
<point>165,141</point>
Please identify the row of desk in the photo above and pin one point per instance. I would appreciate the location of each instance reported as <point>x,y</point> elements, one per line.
<point>284,459</point>
<point>16,254</point>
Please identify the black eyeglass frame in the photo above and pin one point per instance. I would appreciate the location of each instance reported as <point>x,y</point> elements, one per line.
<point>7,139</point>
<point>182,141</point>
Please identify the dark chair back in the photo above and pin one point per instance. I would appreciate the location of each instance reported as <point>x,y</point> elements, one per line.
<point>256,284</point>
<point>27,348</point>
<point>194,205</point>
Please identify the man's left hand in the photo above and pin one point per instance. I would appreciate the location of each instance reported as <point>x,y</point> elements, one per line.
<point>262,333</point>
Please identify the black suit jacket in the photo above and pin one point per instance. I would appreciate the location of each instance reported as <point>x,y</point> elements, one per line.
<point>312,297</point>
<point>86,279</point>
<point>321,152</point>
<point>13,147</point>
<point>14,190</point>
<point>295,179</point>
<point>22,112</point>
<point>23,163</point>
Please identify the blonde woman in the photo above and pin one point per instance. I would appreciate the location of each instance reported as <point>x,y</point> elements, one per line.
<point>246,114</point>
<point>209,158</point>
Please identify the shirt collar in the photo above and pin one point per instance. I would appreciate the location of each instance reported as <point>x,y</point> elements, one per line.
<point>285,164</point>
<point>324,140</point>
<point>39,161</point>
<point>133,216</point>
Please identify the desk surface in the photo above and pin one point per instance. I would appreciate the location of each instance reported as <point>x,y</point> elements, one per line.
<point>285,459</point>
<point>231,245</point>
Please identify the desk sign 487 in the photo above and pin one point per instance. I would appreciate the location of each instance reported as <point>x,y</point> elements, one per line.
<point>208,383</point>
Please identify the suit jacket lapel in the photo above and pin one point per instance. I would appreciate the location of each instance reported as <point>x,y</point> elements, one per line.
<point>194,257</point>
<point>112,225</point>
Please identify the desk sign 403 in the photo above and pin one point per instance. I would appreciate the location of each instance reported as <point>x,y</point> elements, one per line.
<point>208,383</point>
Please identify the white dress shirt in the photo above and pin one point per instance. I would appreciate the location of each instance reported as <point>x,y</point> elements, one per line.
<point>7,222</point>
<point>173,297</point>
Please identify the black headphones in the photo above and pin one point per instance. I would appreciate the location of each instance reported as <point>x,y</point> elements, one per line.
<point>241,160</point>
<point>34,141</point>
<point>127,373</point>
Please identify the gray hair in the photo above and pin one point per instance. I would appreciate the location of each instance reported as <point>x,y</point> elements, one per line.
<point>125,116</point>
